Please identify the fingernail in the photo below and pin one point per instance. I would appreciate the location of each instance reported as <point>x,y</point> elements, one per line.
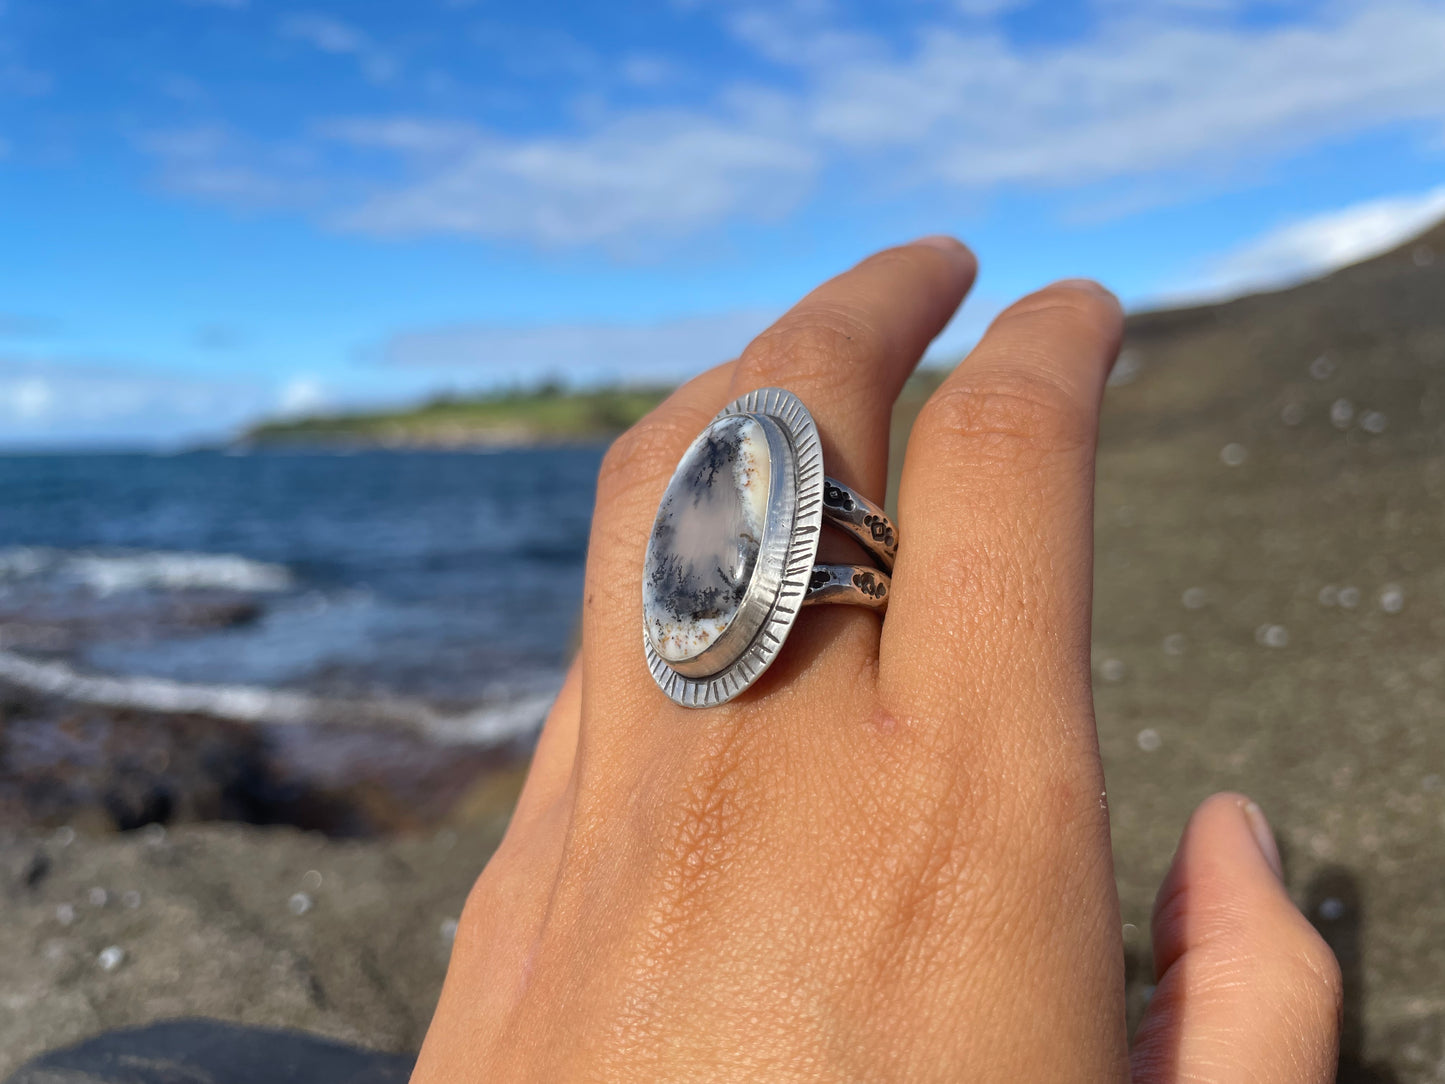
<point>941,241</point>
<point>1086,284</point>
<point>1263,836</point>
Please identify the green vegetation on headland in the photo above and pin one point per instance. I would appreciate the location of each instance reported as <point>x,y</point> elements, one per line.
<point>1203,339</point>
<point>544,415</point>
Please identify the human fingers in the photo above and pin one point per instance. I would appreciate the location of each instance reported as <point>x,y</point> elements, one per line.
<point>984,657</point>
<point>845,350</point>
<point>1247,989</point>
<point>847,347</point>
<point>992,589</point>
<point>634,473</point>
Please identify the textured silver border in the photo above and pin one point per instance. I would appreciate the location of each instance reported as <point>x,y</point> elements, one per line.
<point>785,560</point>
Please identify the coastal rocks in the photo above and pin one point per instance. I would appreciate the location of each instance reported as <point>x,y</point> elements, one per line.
<point>706,539</point>
<point>104,770</point>
<point>211,1052</point>
<point>108,769</point>
<point>57,624</point>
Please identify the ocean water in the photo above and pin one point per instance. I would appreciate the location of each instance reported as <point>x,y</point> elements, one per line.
<point>436,587</point>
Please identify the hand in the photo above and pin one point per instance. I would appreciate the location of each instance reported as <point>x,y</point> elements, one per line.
<point>889,859</point>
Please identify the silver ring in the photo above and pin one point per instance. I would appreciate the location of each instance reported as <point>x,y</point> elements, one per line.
<point>731,557</point>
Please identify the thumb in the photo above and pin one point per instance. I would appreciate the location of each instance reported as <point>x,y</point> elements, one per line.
<point>1247,990</point>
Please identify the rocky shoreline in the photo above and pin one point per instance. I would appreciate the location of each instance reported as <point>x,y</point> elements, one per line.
<point>1269,617</point>
<point>99,768</point>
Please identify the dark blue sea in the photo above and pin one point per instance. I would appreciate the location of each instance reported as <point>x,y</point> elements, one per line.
<point>273,582</point>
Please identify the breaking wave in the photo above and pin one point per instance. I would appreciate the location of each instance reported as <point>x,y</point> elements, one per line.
<point>505,719</point>
<point>108,573</point>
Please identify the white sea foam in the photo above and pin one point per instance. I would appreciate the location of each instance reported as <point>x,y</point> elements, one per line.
<point>491,724</point>
<point>23,562</point>
<point>107,573</point>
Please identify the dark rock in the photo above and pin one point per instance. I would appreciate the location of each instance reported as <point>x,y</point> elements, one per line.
<point>63,763</point>
<point>36,869</point>
<point>120,769</point>
<point>211,1052</point>
<point>195,615</point>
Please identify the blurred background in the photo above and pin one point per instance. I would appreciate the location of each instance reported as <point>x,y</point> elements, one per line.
<point>316,317</point>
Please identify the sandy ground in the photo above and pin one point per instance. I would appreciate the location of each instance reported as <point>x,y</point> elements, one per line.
<point>260,926</point>
<point>1270,617</point>
<point>1270,596</point>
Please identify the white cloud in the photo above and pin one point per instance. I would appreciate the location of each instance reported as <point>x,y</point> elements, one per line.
<point>59,400</point>
<point>24,81</point>
<point>303,395</point>
<point>984,9</point>
<point>27,398</point>
<point>796,36</point>
<point>1323,243</point>
<point>325,33</point>
<point>212,162</point>
<point>182,88</point>
<point>599,352</point>
<point>590,352</point>
<point>1140,97</point>
<point>331,35</point>
<point>645,175</point>
<point>1143,99</point>
<point>646,70</point>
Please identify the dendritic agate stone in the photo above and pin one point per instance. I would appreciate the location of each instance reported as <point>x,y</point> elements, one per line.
<point>705,542</point>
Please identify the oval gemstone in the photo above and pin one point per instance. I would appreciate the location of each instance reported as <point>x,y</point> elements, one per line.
<point>705,543</point>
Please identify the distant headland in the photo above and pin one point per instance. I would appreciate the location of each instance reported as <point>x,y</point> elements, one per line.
<point>1244,336</point>
<point>549,414</point>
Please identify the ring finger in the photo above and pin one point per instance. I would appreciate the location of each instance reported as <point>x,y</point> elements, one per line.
<point>845,351</point>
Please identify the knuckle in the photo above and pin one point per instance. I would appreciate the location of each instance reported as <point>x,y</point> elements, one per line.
<point>488,905</point>
<point>630,481</point>
<point>479,913</point>
<point>1316,974</point>
<point>1004,418</point>
<point>647,451</point>
<point>813,346</point>
<point>1171,907</point>
<point>1067,304</point>
<point>1286,953</point>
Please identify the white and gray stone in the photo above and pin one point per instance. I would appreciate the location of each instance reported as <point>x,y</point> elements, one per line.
<point>705,543</point>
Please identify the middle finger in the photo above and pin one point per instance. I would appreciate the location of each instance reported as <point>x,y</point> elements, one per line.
<point>846,349</point>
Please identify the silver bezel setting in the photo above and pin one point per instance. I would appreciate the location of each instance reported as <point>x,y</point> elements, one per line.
<point>785,560</point>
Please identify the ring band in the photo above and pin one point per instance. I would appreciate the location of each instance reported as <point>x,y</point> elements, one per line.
<point>731,558</point>
<point>870,527</point>
<point>856,584</point>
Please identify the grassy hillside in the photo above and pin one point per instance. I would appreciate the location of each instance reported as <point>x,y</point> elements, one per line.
<point>543,415</point>
<point>1200,364</point>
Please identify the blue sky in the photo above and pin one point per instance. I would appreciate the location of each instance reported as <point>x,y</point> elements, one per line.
<point>212,210</point>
